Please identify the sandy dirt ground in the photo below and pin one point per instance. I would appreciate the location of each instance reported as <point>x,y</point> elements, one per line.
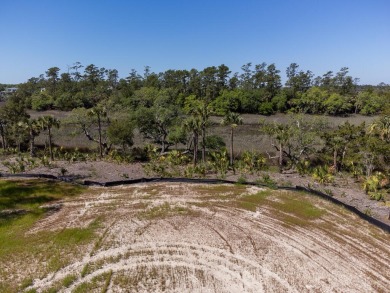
<point>345,190</point>
<point>193,238</point>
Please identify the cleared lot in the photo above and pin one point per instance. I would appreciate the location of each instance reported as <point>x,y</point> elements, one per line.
<point>206,238</point>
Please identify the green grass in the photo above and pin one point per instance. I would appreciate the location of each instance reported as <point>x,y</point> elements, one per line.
<point>299,208</point>
<point>75,236</point>
<point>86,270</point>
<point>297,211</point>
<point>51,249</point>
<point>55,249</point>
<point>26,283</point>
<point>13,240</point>
<point>219,191</point>
<point>68,280</point>
<point>30,194</point>
<point>100,282</point>
<point>291,208</point>
<point>251,202</point>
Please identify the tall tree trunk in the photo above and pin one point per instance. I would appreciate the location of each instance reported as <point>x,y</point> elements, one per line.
<point>203,144</point>
<point>100,138</point>
<point>231,146</point>
<point>3,138</point>
<point>32,153</point>
<point>195,149</point>
<point>3,142</point>
<point>50,149</point>
<point>2,133</point>
<point>163,145</point>
<point>280,157</point>
<point>335,160</point>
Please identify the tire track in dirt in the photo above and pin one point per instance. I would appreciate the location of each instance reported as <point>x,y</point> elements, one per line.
<point>314,239</point>
<point>223,238</point>
<point>230,266</point>
<point>222,248</point>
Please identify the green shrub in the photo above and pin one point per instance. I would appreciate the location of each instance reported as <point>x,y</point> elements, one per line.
<point>214,142</point>
<point>303,167</point>
<point>373,183</point>
<point>219,162</point>
<point>378,196</point>
<point>241,180</point>
<point>322,175</point>
<point>251,162</point>
<point>268,181</point>
<point>266,109</point>
<point>42,102</point>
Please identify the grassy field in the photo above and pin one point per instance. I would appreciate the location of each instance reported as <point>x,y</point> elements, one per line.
<point>247,136</point>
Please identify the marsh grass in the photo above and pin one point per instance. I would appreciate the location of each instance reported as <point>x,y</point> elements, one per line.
<point>247,136</point>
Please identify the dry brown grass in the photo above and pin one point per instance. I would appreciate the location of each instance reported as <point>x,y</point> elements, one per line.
<point>247,136</point>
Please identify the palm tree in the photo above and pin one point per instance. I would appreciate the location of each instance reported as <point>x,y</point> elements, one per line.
<point>99,113</point>
<point>382,127</point>
<point>33,128</point>
<point>47,123</point>
<point>204,113</point>
<point>201,110</point>
<point>232,119</point>
<point>194,124</point>
<point>3,131</point>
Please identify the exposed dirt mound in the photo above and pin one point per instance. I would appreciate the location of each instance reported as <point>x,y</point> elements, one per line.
<point>223,238</point>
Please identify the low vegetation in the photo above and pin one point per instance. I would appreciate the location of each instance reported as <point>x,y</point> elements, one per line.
<point>22,205</point>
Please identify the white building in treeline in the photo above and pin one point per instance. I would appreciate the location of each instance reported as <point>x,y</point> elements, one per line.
<point>7,91</point>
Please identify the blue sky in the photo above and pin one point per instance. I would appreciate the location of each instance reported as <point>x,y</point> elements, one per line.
<point>319,35</point>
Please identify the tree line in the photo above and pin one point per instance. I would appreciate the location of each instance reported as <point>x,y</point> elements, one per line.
<point>174,108</point>
<point>256,89</point>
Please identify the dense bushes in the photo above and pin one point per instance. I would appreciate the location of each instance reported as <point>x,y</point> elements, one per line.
<point>257,89</point>
<point>172,109</point>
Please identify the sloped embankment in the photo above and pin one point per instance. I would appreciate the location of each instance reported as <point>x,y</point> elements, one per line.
<point>220,238</point>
